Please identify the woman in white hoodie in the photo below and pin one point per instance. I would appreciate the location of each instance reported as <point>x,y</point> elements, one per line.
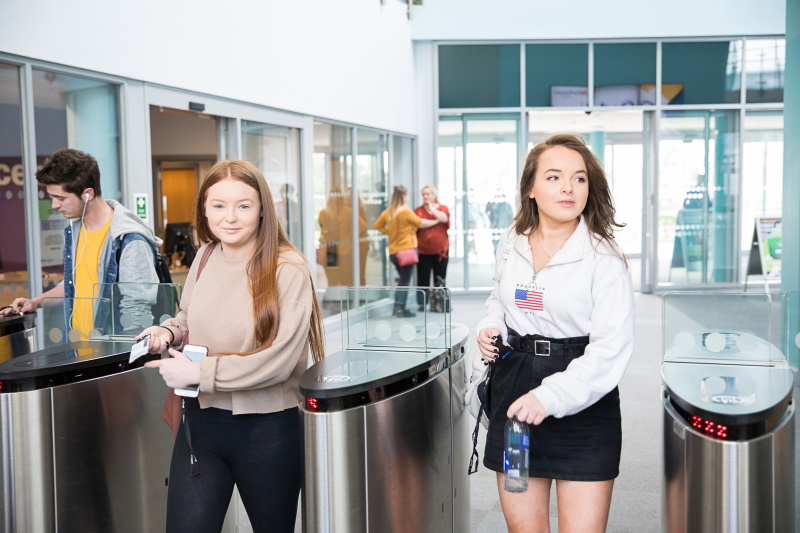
<point>563,300</point>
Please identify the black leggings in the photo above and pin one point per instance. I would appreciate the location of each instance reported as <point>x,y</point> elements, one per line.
<point>405,273</point>
<point>430,263</point>
<point>262,454</point>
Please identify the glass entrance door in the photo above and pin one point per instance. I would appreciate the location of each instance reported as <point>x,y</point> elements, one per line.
<point>617,139</point>
<point>479,186</point>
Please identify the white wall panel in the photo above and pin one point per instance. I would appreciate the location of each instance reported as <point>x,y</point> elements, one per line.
<point>349,60</point>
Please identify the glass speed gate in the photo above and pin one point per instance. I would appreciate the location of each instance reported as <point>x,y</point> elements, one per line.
<point>386,432</point>
<point>729,441</point>
<point>82,443</point>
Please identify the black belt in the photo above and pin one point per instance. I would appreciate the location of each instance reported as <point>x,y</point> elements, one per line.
<point>546,346</point>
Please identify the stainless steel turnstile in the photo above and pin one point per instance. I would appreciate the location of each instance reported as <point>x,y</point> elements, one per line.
<point>83,446</point>
<point>729,443</point>
<point>387,440</point>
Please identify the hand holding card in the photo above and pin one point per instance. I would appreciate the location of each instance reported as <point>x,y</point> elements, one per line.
<point>139,349</point>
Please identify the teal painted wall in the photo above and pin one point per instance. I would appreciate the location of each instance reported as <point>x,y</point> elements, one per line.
<point>791,164</point>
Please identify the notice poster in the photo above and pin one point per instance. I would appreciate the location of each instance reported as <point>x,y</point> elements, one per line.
<point>768,230</point>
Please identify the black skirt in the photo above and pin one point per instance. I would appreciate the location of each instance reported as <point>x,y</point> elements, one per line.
<point>585,446</point>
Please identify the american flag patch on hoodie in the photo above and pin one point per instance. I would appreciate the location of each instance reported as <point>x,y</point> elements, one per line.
<point>529,300</point>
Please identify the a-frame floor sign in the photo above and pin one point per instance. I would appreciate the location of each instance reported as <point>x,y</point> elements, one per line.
<point>765,251</point>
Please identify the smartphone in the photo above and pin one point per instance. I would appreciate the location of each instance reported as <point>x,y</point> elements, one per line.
<point>194,353</point>
<point>139,349</point>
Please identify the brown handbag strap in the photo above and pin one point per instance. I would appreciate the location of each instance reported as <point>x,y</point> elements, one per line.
<point>206,254</point>
<point>203,260</point>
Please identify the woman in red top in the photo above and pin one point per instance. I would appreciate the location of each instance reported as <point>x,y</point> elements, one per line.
<point>433,242</point>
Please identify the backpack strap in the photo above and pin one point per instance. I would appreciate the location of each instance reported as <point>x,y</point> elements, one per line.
<point>508,245</point>
<point>126,240</point>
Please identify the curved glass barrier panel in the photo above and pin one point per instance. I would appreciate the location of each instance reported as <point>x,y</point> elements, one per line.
<point>137,306</point>
<point>373,319</point>
<point>13,257</point>
<point>701,73</point>
<point>723,328</point>
<point>624,74</point>
<point>479,75</point>
<point>764,66</point>
<point>790,327</point>
<point>556,75</point>
<point>66,320</point>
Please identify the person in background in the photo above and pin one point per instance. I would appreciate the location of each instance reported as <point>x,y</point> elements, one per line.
<point>91,240</point>
<point>401,225</point>
<point>434,244</point>
<point>563,300</point>
<point>500,215</point>
<point>255,309</point>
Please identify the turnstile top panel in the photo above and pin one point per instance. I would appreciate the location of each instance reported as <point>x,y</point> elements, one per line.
<point>13,323</point>
<point>746,393</point>
<point>350,372</point>
<point>64,359</point>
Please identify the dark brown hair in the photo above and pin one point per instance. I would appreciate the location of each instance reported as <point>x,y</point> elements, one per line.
<point>599,210</point>
<point>262,269</point>
<point>73,170</point>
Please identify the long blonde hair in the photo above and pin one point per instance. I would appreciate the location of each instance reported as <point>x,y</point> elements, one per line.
<point>398,199</point>
<point>262,269</point>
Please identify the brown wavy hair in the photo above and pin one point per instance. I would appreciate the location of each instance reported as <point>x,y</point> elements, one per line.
<point>262,269</point>
<point>599,210</point>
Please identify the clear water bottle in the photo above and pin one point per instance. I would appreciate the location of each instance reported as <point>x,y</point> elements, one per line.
<point>516,456</point>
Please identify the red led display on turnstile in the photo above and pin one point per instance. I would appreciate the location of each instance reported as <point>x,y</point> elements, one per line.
<point>707,426</point>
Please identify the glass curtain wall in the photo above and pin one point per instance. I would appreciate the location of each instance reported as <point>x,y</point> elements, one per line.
<point>695,152</point>
<point>274,150</point>
<point>617,139</point>
<point>372,170</point>
<point>479,186</point>
<point>698,193</point>
<point>762,186</point>
<point>333,161</point>
<point>73,112</point>
<point>13,256</point>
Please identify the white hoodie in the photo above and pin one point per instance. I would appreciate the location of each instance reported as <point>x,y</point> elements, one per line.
<point>585,289</point>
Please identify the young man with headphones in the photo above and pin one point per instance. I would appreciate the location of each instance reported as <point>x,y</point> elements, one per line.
<point>92,238</point>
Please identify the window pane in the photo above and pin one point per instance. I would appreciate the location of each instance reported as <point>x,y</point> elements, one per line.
<point>556,75</point>
<point>701,73</point>
<point>698,190</point>
<point>624,74</point>
<point>450,160</point>
<point>72,112</point>
<point>333,161</point>
<point>479,76</point>
<point>274,150</point>
<point>762,160</point>
<point>13,258</point>
<point>372,165</point>
<point>764,63</point>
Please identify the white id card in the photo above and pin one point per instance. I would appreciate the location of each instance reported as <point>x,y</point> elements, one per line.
<point>139,349</point>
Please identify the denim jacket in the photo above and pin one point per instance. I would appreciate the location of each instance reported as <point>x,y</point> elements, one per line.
<point>137,262</point>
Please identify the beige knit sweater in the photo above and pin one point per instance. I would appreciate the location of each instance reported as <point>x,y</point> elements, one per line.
<point>218,310</point>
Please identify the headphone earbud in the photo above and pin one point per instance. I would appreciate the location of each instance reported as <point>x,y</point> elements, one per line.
<point>86,196</point>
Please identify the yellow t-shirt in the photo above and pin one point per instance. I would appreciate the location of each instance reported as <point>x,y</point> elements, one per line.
<point>87,256</point>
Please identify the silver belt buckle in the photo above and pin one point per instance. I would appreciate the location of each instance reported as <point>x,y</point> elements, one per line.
<point>545,351</point>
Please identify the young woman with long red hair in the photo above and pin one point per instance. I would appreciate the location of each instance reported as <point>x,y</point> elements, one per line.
<point>255,309</point>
